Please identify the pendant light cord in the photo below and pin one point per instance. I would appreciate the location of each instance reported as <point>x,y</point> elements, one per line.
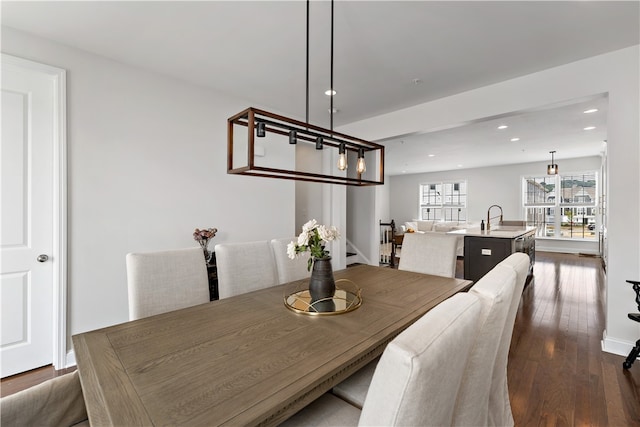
<point>331,71</point>
<point>331,83</point>
<point>307,75</point>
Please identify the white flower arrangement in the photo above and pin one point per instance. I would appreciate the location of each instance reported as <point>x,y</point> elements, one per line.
<point>313,239</point>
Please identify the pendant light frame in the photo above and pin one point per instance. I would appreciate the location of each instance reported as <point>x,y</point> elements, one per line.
<point>259,122</point>
<point>247,121</point>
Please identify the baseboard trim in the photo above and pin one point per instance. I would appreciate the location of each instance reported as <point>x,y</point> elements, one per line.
<point>614,346</point>
<point>566,250</point>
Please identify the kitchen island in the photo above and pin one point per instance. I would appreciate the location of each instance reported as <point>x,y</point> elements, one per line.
<point>484,249</point>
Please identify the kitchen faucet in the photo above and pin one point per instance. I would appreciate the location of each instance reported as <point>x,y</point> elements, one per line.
<point>489,218</point>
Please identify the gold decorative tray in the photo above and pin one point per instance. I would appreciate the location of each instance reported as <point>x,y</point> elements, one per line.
<point>346,298</point>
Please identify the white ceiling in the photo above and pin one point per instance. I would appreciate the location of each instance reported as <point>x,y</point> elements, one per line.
<point>559,127</point>
<point>256,51</point>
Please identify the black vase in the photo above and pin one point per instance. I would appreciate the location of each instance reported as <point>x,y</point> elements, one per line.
<point>322,286</point>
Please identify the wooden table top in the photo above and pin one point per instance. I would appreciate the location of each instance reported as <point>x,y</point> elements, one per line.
<point>245,360</point>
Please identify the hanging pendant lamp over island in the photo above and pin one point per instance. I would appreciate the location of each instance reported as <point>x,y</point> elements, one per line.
<point>552,169</point>
<point>244,127</point>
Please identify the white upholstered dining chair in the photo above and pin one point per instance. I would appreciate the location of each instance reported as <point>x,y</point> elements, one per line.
<point>495,290</point>
<point>288,269</point>
<point>429,253</point>
<point>499,403</point>
<point>55,402</point>
<point>245,267</point>
<point>418,376</point>
<point>164,281</point>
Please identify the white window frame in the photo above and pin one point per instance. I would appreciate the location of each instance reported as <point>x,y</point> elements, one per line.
<point>560,205</point>
<point>442,204</point>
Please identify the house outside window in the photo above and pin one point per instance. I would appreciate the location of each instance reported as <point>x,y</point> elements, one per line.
<point>446,201</point>
<point>562,206</point>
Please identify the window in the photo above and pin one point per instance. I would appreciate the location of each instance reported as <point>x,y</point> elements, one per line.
<point>562,206</point>
<point>445,201</point>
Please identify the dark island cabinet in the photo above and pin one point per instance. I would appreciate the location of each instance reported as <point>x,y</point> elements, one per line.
<point>481,253</point>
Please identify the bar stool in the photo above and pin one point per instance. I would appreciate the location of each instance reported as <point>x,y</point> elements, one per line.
<point>635,351</point>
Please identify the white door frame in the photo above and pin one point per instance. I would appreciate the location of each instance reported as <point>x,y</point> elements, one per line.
<point>58,78</point>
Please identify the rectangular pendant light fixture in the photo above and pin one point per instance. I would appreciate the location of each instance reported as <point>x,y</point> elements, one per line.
<point>255,123</point>
<point>252,123</point>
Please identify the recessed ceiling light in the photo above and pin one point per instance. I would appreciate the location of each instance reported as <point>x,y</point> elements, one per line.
<point>459,166</point>
<point>515,139</point>
<point>502,127</point>
<point>404,171</point>
<point>590,110</point>
<point>330,92</point>
<point>432,155</point>
<point>590,128</point>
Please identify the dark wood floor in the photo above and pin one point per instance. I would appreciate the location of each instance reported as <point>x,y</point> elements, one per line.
<point>558,374</point>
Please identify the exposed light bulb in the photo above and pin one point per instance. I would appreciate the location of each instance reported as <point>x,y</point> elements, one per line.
<point>361,166</point>
<point>342,161</point>
<point>342,157</point>
<point>552,169</point>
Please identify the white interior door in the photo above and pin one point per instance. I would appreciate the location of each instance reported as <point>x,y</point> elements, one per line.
<point>27,239</point>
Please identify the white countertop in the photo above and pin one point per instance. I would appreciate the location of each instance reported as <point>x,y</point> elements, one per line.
<point>497,231</point>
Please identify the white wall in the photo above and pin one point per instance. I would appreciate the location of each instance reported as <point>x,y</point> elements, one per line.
<point>360,219</point>
<point>383,201</point>
<point>308,194</point>
<point>501,185</point>
<point>615,73</point>
<point>146,165</point>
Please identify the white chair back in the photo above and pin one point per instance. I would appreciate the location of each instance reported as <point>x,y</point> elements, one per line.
<point>495,292</point>
<point>354,389</point>
<point>289,269</point>
<point>165,281</point>
<point>419,373</point>
<point>429,253</point>
<point>499,403</point>
<point>244,267</point>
